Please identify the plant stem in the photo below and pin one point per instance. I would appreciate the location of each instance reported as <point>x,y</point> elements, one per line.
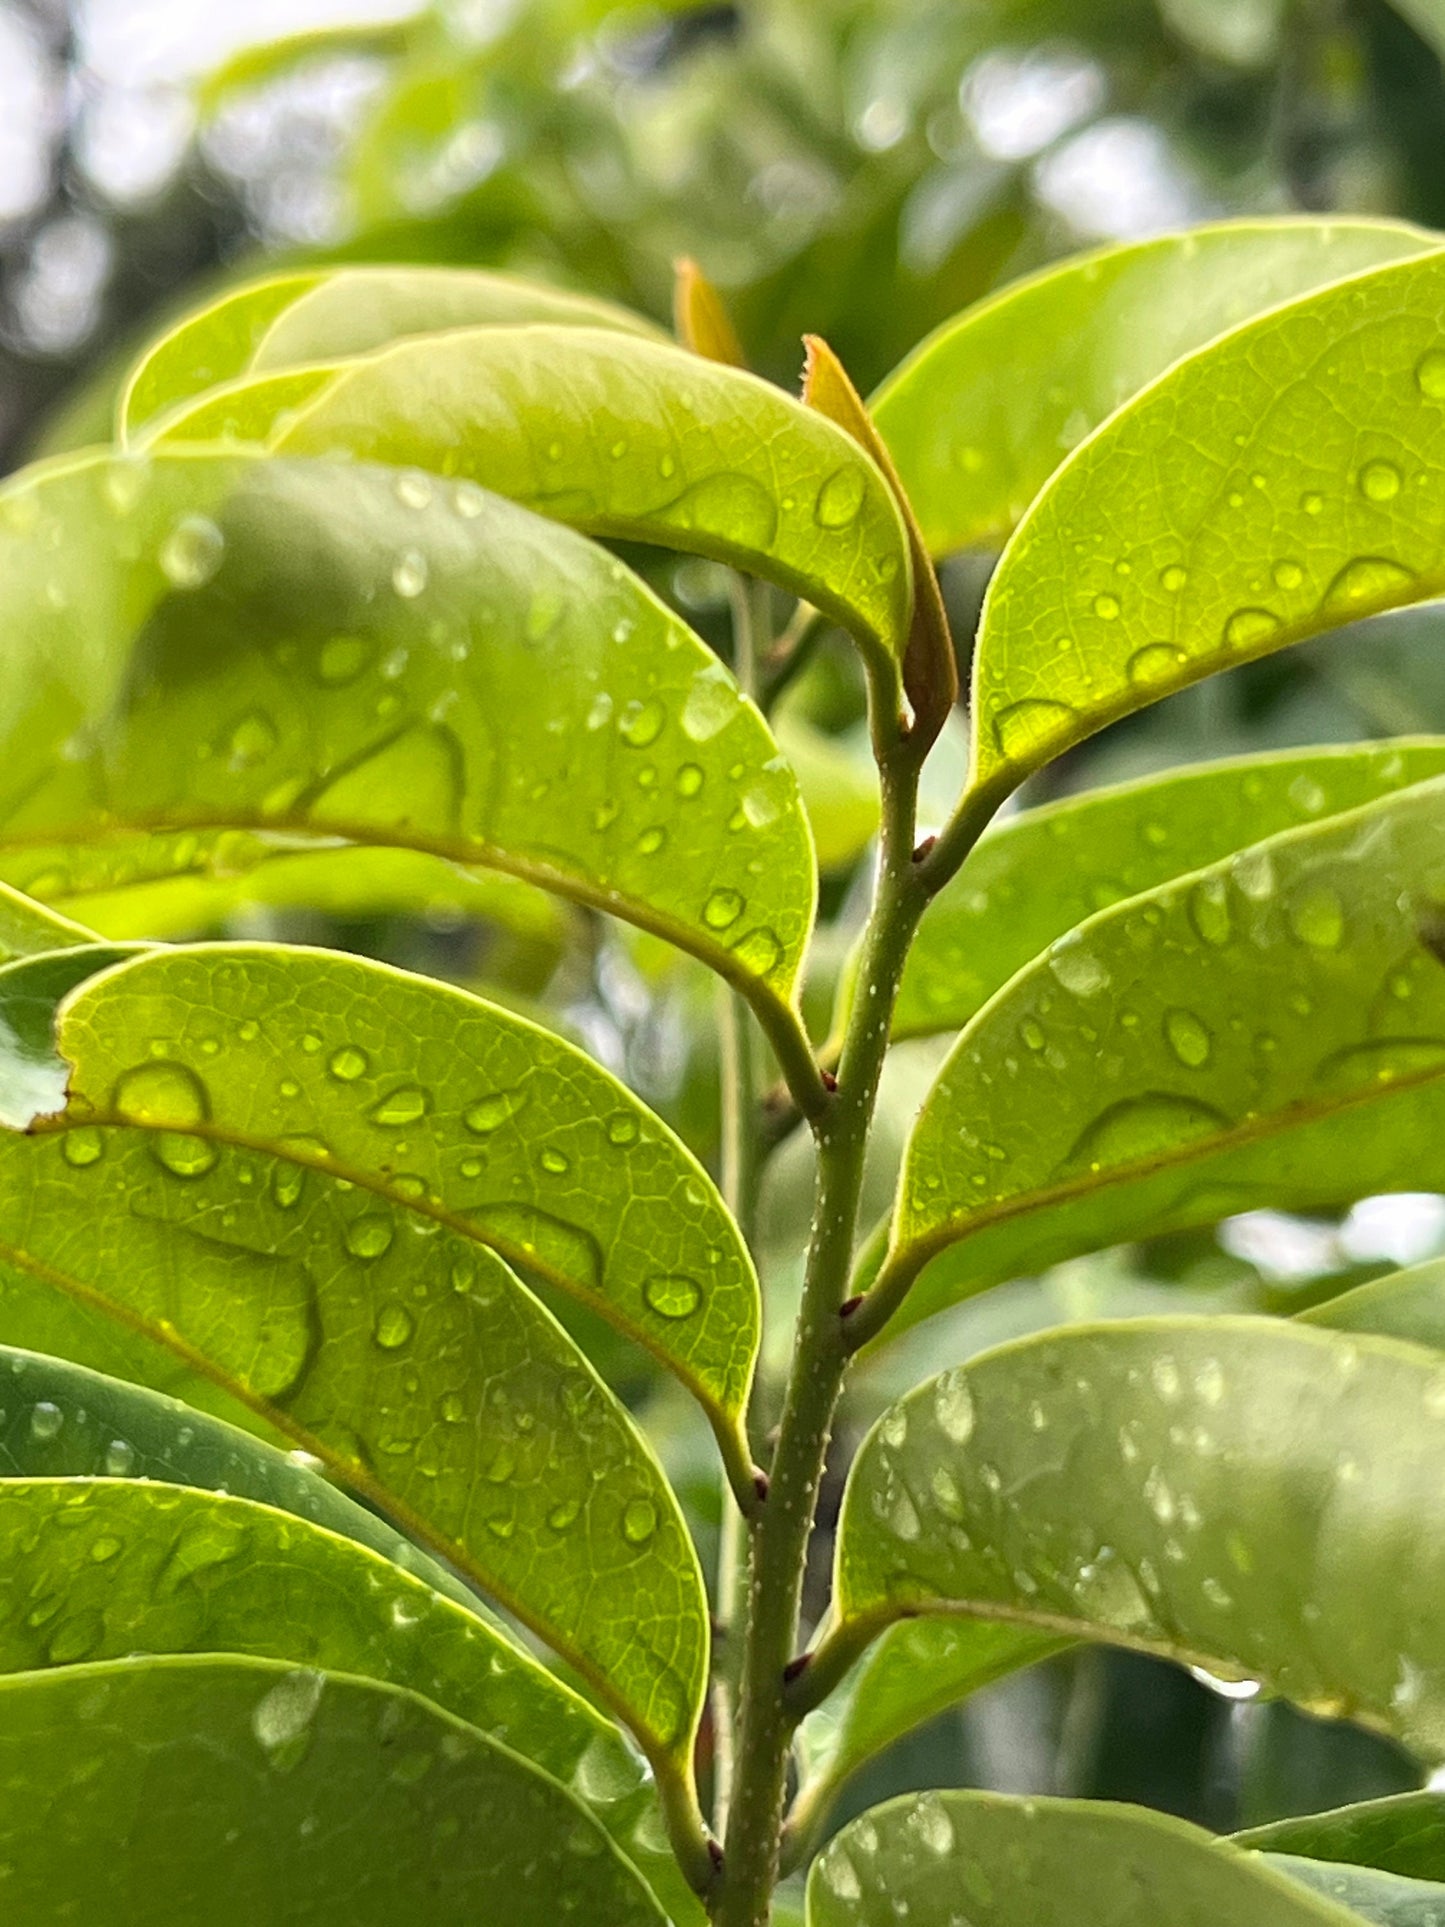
<point>780,1532</point>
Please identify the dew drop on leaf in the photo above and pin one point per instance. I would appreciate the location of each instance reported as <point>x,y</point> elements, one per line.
<point>490,1113</point>
<point>1024,730</point>
<point>1317,917</point>
<point>930,1823</point>
<point>1430,374</point>
<point>841,1875</point>
<point>1106,607</point>
<point>405,1105</point>
<point>394,1324</point>
<point>1188,1037</point>
<point>1287,575</point>
<point>349,1063</point>
<point>621,1128</point>
<point>723,908</point>
<point>953,1406</point>
<point>1156,662</point>
<point>639,1521</point>
<point>1367,579</point>
<point>1209,912</point>
<point>192,552</point>
<point>82,1147</point>
<point>409,574</point>
<point>672,1295</point>
<point>1379,481</point>
<point>341,659</point>
<point>161,1093</point>
<point>1249,626</point>
<point>840,498</point>
<point>184,1155</point>
<point>640,723</point>
<point>46,1421</point>
<point>368,1237</point>
<point>120,1457</point>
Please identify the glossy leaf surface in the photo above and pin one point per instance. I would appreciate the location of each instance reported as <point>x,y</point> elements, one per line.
<point>1270,1030</point>
<point>993,1862</point>
<point>247,1790</point>
<point>984,410</point>
<point>293,318</point>
<point>642,441</point>
<point>355,654</point>
<point>333,1295</point>
<point>1282,481</point>
<point>125,1568</point>
<point>1042,872</point>
<point>1383,1899</point>
<point>1166,1484</point>
<point>28,928</point>
<point>1406,1304</point>
<point>1403,1835</point>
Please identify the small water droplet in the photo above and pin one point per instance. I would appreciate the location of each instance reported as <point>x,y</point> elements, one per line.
<point>82,1147</point>
<point>1188,1037</point>
<point>1209,911</point>
<point>1106,607</point>
<point>1312,502</point>
<point>490,1113</point>
<point>283,1717</point>
<point>184,1155</point>
<point>841,497</point>
<point>409,575</point>
<point>621,1128</point>
<point>1156,662</point>
<point>394,1325</point>
<point>1430,374</point>
<point>1379,481</point>
<point>46,1421</point>
<point>723,908</point>
<point>893,1427</point>
<point>1317,917</point>
<point>369,1237</point>
<point>640,723</point>
<point>671,1295</point>
<point>564,1515</point>
<point>1076,969</point>
<point>639,1521</point>
<point>413,489</point>
<point>192,552</point>
<point>1287,575</point>
<point>341,659</point>
<point>1173,578</point>
<point>930,1823</point>
<point>1032,1033</point>
<point>349,1063</point>
<point>405,1105</point>
<point>953,1406</point>
<point>554,1161</point>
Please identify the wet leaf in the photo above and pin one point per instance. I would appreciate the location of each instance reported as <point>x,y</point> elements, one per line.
<point>369,1800</point>
<point>1266,1031</point>
<point>116,1569</point>
<point>28,928</point>
<point>319,316</point>
<point>1037,875</point>
<point>987,406</point>
<point>353,654</point>
<point>32,1076</point>
<point>1166,1484</point>
<point>643,441</point>
<point>1384,1899</point>
<point>980,1858</point>
<point>267,1166</point>
<point>1280,482</point>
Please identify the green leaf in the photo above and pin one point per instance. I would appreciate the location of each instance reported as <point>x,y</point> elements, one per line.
<point>995,1862</point>
<point>290,319</point>
<point>32,1076</point>
<point>290,1197</point>
<point>915,1670</point>
<point>642,441</point>
<point>1407,1304</point>
<point>1402,1835</point>
<point>28,928</point>
<point>1280,482</point>
<point>1270,1030</point>
<point>368,1802</point>
<point>1039,874</point>
<point>353,654</point>
<point>1381,1898</point>
<point>121,1569</point>
<point>1166,1484</point>
<point>63,1420</point>
<point>985,408</point>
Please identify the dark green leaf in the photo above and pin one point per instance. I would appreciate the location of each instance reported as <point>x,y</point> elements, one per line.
<point>1403,1835</point>
<point>1383,1899</point>
<point>242,1790</point>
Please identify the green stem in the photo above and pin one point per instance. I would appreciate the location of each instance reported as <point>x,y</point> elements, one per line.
<point>780,1533</point>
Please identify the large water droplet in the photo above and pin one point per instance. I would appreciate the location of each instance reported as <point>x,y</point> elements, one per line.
<point>712,702</point>
<point>671,1295</point>
<point>953,1406</point>
<point>1368,579</point>
<point>1247,627</point>
<point>841,497</point>
<point>369,1237</point>
<point>120,1459</point>
<point>1188,1037</point>
<point>1025,730</point>
<point>393,1327</point>
<point>490,1113</point>
<point>1140,1127</point>
<point>1076,969</point>
<point>46,1421</point>
<point>192,552</point>
<point>1317,916</point>
<point>760,951</point>
<point>405,1105</point>
<point>1379,481</point>
<point>161,1093</point>
<point>1156,662</point>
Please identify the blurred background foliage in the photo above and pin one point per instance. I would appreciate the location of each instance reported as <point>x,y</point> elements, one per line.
<point>855,168</point>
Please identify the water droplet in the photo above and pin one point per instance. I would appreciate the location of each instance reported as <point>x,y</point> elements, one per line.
<point>841,1875</point>
<point>953,1406</point>
<point>82,1147</point>
<point>1032,1033</point>
<point>564,1515</point>
<point>46,1421</point>
<point>394,1324</point>
<point>283,1717</point>
<point>409,575</point>
<point>893,1427</point>
<point>759,951</point>
<point>554,1161</point>
<point>622,1128</point>
<point>120,1458</point>
<point>490,1113</point>
<point>1106,607</point>
<point>1246,627</point>
<point>1379,481</point>
<point>1317,917</point>
<point>671,1295</point>
<point>1188,1038</point>
<point>369,1237</point>
<point>1080,973</point>
<point>1156,662</point>
<point>1209,911</point>
<point>930,1823</point>
<point>640,723</point>
<point>689,780</point>
<point>639,1521</point>
<point>1173,578</point>
<point>349,1063</point>
<point>184,1155</point>
<point>651,840</point>
<point>1209,1381</point>
<point>104,1549</point>
<point>1287,575</point>
<point>405,1105</point>
<point>287,1182</point>
<point>191,553</point>
<point>840,497</point>
<point>946,1494</point>
<point>413,489</point>
<point>1312,502</point>
<point>1368,579</point>
<point>341,659</point>
<point>723,908</point>
<point>712,703</point>
<point>161,1093</point>
<point>1430,374</point>
<point>1025,731</point>
<point>903,1520</point>
<point>1165,1375</point>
